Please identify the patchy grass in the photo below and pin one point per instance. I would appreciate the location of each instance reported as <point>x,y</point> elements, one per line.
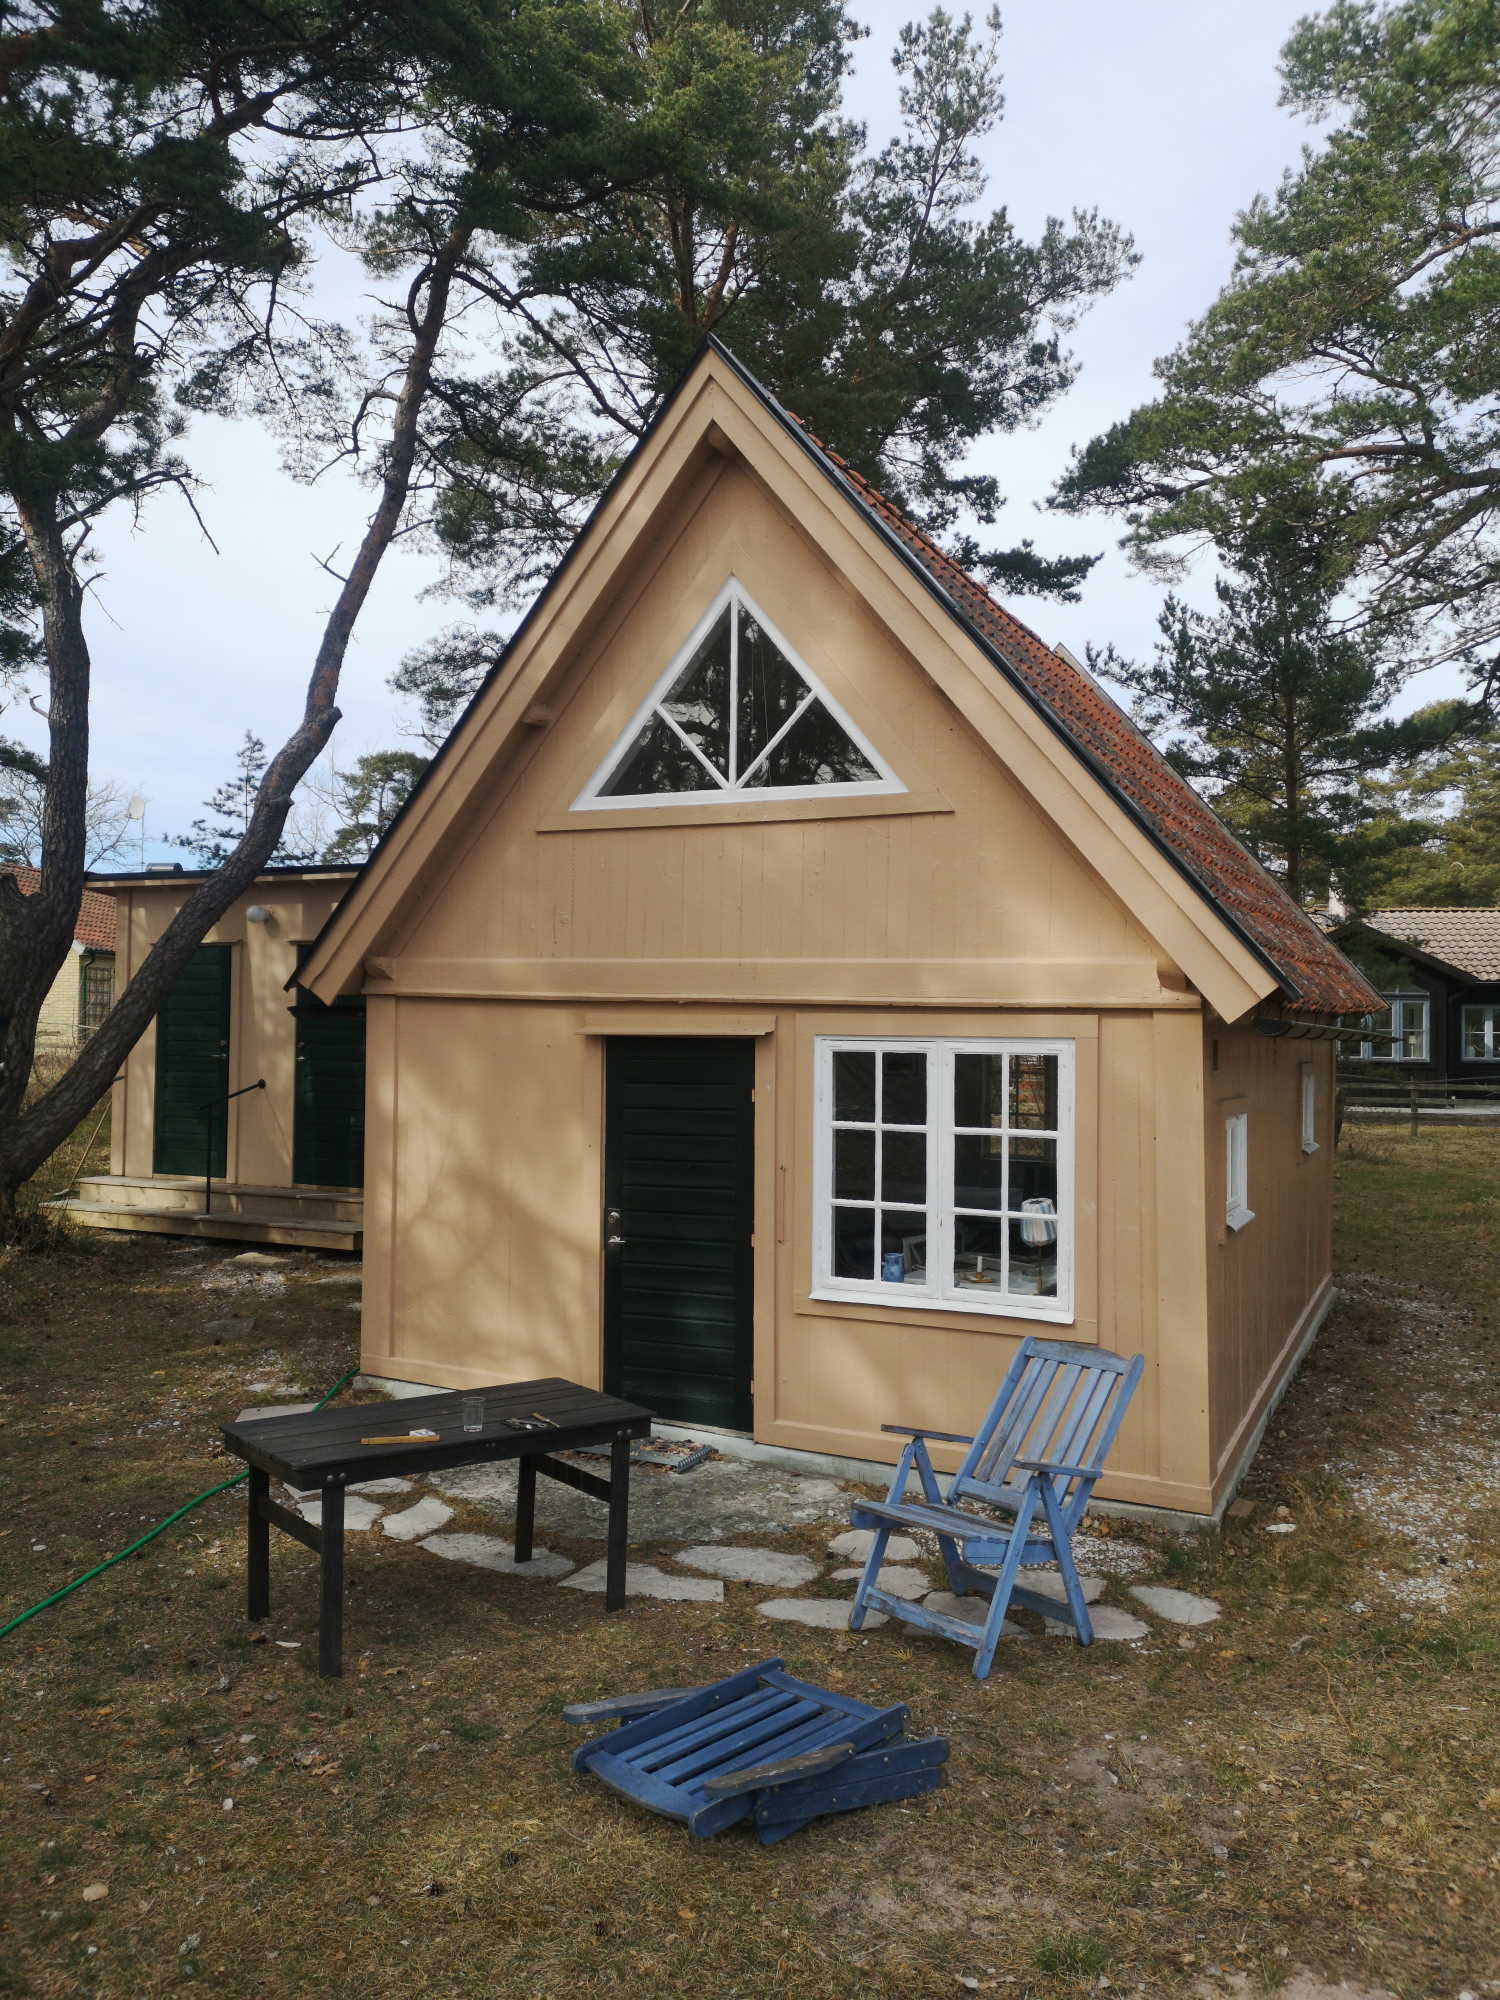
<point>1311,1782</point>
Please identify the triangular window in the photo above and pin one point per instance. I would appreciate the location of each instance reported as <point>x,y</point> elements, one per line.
<point>736,715</point>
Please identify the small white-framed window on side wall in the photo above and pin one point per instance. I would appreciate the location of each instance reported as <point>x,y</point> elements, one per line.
<point>1237,1209</point>
<point>1398,1031</point>
<point>1307,1089</point>
<point>1481,1033</point>
<point>944,1174</point>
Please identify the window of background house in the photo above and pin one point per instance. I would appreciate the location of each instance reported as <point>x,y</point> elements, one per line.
<point>945,1174</point>
<point>1400,1030</point>
<point>96,993</point>
<point>1481,1034</point>
<point>1237,1209</point>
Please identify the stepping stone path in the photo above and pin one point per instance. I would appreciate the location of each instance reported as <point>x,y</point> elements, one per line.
<point>972,1610</point>
<point>908,1583</point>
<point>855,1544</point>
<point>413,1523</point>
<point>489,1552</point>
<point>1108,1624</point>
<point>1181,1607</point>
<point>1047,1583</point>
<point>641,1580</point>
<point>750,1565</point>
<point>358,1513</point>
<point>275,1410</point>
<point>829,1614</point>
<point>382,1486</point>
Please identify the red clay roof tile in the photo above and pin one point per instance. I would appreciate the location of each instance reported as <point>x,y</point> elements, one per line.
<point>1315,975</point>
<point>95,928</point>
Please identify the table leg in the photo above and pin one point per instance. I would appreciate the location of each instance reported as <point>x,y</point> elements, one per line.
<point>331,1606</point>
<point>258,1558</point>
<point>525,1507</point>
<point>619,1524</point>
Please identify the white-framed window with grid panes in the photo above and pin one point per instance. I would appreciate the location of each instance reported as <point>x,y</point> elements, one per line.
<point>1399,1032</point>
<point>944,1174</point>
<point>1479,1027</point>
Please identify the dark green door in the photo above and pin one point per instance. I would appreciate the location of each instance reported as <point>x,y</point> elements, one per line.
<point>192,1066</point>
<point>679,1160</point>
<point>328,1123</point>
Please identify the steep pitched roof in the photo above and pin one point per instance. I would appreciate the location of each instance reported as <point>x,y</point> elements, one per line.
<point>95,928</point>
<point>1468,940</point>
<point>1313,972</point>
<point>1266,927</point>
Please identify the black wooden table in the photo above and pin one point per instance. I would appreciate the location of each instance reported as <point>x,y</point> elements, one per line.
<point>321,1450</point>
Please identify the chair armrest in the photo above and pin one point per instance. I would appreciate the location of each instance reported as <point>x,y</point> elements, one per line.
<point>756,1777</point>
<point>921,1431</point>
<point>624,1705</point>
<point>1061,1471</point>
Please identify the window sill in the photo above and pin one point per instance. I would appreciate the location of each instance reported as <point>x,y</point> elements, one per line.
<point>1236,1218</point>
<point>1013,1305</point>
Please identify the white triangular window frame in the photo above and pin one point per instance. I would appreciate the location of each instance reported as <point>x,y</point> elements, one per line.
<point>734,789</point>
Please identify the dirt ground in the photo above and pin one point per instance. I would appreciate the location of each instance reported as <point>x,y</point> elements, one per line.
<point>1301,1799</point>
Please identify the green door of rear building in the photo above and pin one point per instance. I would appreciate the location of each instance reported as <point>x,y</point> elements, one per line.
<point>192,1067</point>
<point>679,1211</point>
<point>328,1123</point>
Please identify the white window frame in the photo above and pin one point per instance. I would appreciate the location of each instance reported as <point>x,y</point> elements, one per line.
<point>1307,1097</point>
<point>716,790</point>
<point>1237,1209</point>
<point>1489,1011</point>
<point>940,1212</point>
<point>1393,1047</point>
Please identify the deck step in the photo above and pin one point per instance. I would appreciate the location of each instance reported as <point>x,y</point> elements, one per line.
<point>250,1198</point>
<point>289,1227</point>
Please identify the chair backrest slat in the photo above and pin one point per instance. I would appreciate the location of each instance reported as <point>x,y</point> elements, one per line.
<point>1061,1401</point>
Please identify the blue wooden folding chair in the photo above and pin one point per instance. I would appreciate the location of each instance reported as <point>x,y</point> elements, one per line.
<point>1034,1460</point>
<point>760,1744</point>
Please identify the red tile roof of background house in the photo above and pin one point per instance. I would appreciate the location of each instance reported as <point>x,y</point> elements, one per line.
<point>1315,975</point>
<point>95,928</point>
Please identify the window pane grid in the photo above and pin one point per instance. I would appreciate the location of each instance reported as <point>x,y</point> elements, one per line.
<point>995,1227</point>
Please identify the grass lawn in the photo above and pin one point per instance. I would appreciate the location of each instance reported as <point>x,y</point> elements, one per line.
<point>1308,1786</point>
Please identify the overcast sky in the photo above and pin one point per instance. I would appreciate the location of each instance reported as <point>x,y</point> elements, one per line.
<point>1162,113</point>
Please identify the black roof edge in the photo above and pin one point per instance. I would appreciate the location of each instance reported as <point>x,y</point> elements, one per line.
<point>1006,668</point>
<point>532,611</point>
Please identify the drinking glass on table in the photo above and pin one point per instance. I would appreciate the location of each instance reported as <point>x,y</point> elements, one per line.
<point>473,1413</point>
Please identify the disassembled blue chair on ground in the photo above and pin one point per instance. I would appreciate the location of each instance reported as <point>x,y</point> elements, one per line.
<point>1035,1458</point>
<point>761,1743</point>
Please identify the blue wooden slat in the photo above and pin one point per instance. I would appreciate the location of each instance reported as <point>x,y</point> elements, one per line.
<point>716,1697</point>
<point>708,1728</point>
<point>1004,1430</point>
<point>763,1734</point>
<point>849,1798</point>
<point>815,1732</point>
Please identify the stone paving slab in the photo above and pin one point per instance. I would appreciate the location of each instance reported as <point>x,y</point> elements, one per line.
<point>1108,1622</point>
<point>723,1500</point>
<point>828,1614</point>
<point>381,1486</point>
<point>855,1543</point>
<point>736,1565</point>
<point>489,1552</point>
<point>413,1523</point>
<point>1048,1583</point>
<point>1180,1607</point>
<point>972,1610</point>
<point>910,1583</point>
<point>358,1513</point>
<point>646,1580</point>
<point>275,1410</point>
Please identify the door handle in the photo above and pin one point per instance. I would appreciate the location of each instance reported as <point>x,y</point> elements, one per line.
<point>613,1240</point>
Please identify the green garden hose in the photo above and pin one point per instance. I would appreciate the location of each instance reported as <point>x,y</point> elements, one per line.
<point>151,1533</point>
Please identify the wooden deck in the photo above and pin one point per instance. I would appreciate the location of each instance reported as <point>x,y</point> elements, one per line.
<point>242,1212</point>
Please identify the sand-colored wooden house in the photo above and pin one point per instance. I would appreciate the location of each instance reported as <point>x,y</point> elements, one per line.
<point>794,982</point>
<point>240,1112</point>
